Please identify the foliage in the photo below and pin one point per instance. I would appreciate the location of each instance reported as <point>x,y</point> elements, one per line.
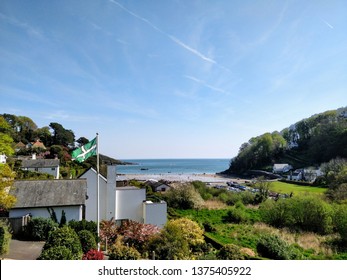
<point>62,219</point>
<point>180,239</point>
<point>5,238</point>
<point>190,230</point>
<point>340,222</point>
<point>57,253</point>
<point>108,231</point>
<point>184,196</point>
<point>62,136</point>
<point>273,247</point>
<point>67,237</point>
<point>230,252</point>
<point>137,234</point>
<point>235,215</point>
<point>335,176</point>
<point>308,213</point>
<point>84,225</point>
<point>258,151</point>
<point>263,187</point>
<point>32,175</point>
<point>119,251</point>
<point>300,144</point>
<point>38,228</point>
<point>87,240</point>
<point>6,183</point>
<point>93,254</point>
<point>6,144</point>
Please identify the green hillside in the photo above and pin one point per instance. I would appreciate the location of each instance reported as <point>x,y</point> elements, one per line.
<point>308,142</point>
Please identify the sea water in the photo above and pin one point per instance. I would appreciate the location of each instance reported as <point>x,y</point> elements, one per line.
<point>174,166</point>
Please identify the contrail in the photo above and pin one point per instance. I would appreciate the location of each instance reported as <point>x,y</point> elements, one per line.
<point>328,24</point>
<point>171,37</point>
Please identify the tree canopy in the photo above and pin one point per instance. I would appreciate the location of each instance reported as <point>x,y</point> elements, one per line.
<point>311,141</point>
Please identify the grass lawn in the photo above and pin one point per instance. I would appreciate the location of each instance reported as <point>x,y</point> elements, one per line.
<point>282,187</point>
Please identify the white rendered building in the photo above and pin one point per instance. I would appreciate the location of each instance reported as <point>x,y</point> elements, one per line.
<point>120,203</point>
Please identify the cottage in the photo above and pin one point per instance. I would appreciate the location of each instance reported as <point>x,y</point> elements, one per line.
<point>281,168</point>
<point>48,166</point>
<point>157,186</point>
<point>35,197</point>
<point>120,203</point>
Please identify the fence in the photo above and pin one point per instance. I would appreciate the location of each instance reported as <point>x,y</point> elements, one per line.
<point>17,223</point>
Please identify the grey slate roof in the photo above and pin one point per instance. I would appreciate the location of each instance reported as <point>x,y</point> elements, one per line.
<point>45,193</point>
<point>40,163</point>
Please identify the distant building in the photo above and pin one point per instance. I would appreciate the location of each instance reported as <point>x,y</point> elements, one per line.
<point>157,186</point>
<point>281,168</point>
<point>120,203</point>
<point>48,166</point>
<point>35,197</point>
<point>3,158</point>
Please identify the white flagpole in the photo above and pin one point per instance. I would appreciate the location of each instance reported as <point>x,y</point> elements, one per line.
<point>97,190</point>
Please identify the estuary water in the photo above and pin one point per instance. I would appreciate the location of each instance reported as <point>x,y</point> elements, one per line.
<point>174,166</point>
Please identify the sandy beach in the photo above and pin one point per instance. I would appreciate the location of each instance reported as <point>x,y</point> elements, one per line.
<point>207,178</point>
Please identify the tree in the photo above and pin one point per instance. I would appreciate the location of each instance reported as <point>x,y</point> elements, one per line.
<point>6,140</point>
<point>264,187</point>
<point>6,182</point>
<point>184,196</point>
<point>62,136</point>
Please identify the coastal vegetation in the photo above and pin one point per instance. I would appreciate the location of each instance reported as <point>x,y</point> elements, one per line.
<point>309,142</point>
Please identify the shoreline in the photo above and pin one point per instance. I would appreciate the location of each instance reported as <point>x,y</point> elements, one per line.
<point>183,177</point>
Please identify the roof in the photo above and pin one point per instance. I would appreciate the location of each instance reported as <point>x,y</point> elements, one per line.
<point>40,163</point>
<point>38,144</point>
<point>46,193</point>
<point>280,165</point>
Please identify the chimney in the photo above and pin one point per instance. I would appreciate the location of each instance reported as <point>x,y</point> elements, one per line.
<point>111,192</point>
<point>111,175</point>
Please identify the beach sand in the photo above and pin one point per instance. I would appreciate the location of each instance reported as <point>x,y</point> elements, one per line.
<point>207,178</point>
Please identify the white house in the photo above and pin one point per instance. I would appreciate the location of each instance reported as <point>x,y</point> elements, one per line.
<point>281,168</point>
<point>3,158</point>
<point>120,203</point>
<point>157,186</point>
<point>48,166</point>
<point>35,197</point>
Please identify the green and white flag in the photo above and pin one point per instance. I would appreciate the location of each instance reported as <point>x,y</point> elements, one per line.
<point>86,151</point>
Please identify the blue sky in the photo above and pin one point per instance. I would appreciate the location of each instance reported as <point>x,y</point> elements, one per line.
<point>172,78</point>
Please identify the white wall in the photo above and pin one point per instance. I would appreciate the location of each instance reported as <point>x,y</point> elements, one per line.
<point>155,213</point>
<point>46,170</point>
<point>71,212</point>
<point>91,202</point>
<point>129,203</point>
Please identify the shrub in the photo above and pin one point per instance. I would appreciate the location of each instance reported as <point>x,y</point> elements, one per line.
<point>184,197</point>
<point>5,238</point>
<point>87,240</point>
<point>119,251</point>
<point>340,222</point>
<point>108,231</point>
<point>230,252</point>
<point>273,247</point>
<point>56,253</point>
<point>39,228</point>
<point>307,213</point>
<point>235,215</point>
<point>67,237</point>
<point>84,224</point>
<point>137,234</point>
<point>180,239</point>
<point>93,255</point>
